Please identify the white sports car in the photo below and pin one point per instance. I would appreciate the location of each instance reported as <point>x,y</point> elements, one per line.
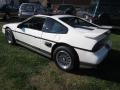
<point>69,40</point>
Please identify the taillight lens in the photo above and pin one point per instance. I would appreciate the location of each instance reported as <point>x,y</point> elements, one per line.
<point>101,43</point>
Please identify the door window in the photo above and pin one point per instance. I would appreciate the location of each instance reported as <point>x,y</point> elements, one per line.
<point>34,23</point>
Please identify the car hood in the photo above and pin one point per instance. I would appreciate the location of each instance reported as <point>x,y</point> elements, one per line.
<point>92,32</point>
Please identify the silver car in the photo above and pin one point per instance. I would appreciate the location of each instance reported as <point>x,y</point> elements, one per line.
<point>29,9</point>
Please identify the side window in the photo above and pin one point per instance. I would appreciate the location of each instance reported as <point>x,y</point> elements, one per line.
<point>35,23</point>
<point>52,26</point>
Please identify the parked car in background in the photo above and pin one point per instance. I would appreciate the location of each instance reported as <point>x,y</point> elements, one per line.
<point>70,41</point>
<point>105,12</point>
<point>64,9</point>
<point>29,9</point>
<point>82,12</point>
<point>7,11</point>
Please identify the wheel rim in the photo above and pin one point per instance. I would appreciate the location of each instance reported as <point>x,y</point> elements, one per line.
<point>9,37</point>
<point>63,59</point>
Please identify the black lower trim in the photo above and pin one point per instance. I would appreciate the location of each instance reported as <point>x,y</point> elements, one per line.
<point>38,50</point>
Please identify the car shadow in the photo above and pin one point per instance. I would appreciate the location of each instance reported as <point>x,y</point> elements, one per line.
<point>108,70</point>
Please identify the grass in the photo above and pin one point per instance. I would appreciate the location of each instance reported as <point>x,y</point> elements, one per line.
<point>22,69</point>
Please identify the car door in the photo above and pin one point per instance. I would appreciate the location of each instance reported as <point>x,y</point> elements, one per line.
<point>52,30</point>
<point>29,32</point>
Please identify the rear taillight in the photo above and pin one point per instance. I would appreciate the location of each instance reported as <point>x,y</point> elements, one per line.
<point>100,44</point>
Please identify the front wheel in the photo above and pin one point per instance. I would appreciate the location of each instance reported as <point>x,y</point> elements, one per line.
<point>9,36</point>
<point>65,58</point>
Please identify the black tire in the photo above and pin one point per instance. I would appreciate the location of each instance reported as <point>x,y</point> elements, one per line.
<point>65,58</point>
<point>9,36</point>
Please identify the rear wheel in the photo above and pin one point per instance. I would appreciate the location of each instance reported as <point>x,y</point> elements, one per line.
<point>65,58</point>
<point>9,36</point>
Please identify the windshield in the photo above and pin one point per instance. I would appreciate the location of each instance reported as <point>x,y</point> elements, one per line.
<point>76,22</point>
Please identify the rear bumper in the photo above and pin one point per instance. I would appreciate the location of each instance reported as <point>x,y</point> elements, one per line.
<point>92,59</point>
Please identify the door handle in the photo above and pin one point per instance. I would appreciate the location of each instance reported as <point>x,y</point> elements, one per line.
<point>48,44</point>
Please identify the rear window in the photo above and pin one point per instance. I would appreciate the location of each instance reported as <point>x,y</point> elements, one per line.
<point>76,22</point>
<point>52,26</point>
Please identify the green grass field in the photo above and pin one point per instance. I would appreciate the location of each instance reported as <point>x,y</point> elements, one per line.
<point>22,69</point>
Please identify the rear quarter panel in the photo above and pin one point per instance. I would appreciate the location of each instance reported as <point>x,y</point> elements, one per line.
<point>77,40</point>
